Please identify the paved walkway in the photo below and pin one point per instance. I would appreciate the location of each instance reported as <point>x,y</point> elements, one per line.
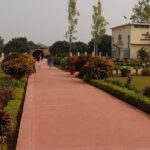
<point>62,112</point>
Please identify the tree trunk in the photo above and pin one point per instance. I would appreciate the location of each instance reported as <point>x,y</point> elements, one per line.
<point>70,47</point>
<point>95,49</point>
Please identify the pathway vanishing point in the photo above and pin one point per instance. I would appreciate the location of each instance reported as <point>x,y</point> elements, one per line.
<point>62,112</point>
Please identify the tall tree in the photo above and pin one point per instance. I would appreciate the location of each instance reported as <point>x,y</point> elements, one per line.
<point>79,47</point>
<point>60,49</point>
<point>1,45</point>
<point>90,46</point>
<point>141,12</point>
<point>16,45</point>
<point>31,45</point>
<point>105,45</point>
<point>72,22</point>
<point>99,24</point>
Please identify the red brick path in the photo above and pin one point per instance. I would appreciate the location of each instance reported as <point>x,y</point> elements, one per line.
<point>62,112</point>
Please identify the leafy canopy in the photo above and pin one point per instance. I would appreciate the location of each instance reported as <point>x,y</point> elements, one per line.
<point>60,49</point>
<point>72,22</point>
<point>1,45</point>
<point>141,12</point>
<point>20,45</point>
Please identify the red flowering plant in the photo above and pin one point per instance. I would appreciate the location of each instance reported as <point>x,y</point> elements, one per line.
<point>18,66</point>
<point>4,126</point>
<point>6,94</point>
<point>72,64</point>
<point>96,68</point>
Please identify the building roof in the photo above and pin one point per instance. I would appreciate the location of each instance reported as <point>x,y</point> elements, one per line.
<point>129,24</point>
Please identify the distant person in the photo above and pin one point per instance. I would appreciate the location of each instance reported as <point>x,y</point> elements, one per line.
<point>39,59</point>
<point>49,61</point>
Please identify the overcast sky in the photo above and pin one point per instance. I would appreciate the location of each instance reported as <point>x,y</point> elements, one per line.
<point>45,21</point>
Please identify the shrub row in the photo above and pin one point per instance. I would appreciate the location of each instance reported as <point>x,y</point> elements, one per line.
<point>16,66</point>
<point>12,112</point>
<point>131,97</point>
<point>74,62</point>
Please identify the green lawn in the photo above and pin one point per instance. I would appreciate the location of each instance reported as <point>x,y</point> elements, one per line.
<point>139,82</point>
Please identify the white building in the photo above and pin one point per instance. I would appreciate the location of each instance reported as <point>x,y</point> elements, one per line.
<point>127,39</point>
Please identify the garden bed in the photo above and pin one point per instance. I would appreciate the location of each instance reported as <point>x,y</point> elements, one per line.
<point>129,96</point>
<point>14,109</point>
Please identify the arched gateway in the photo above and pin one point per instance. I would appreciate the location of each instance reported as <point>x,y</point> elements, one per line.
<point>39,52</point>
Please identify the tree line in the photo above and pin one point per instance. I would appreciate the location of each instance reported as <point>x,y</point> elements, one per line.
<point>100,42</point>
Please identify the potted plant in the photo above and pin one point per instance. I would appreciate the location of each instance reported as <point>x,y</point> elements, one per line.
<point>125,70</point>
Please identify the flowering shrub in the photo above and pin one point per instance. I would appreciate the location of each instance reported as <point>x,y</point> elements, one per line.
<point>5,95</point>
<point>80,62</point>
<point>12,56</point>
<point>72,63</point>
<point>96,68</point>
<point>125,70</point>
<point>4,126</point>
<point>18,66</point>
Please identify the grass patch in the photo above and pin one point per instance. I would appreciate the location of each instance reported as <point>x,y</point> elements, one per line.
<point>139,82</point>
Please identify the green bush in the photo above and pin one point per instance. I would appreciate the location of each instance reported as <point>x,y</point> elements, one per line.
<point>147,91</point>
<point>145,72</point>
<point>4,126</point>
<point>5,96</point>
<point>96,68</point>
<point>56,61</point>
<point>125,70</point>
<point>64,63</point>
<point>18,67</point>
<point>131,97</point>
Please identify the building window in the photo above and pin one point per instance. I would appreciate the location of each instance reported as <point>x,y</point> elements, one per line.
<point>128,41</point>
<point>119,37</point>
<point>142,26</point>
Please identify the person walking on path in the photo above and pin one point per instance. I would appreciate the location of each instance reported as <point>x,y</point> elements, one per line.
<point>39,59</point>
<point>49,61</point>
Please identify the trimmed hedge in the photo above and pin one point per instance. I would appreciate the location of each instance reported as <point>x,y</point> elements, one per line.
<point>131,97</point>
